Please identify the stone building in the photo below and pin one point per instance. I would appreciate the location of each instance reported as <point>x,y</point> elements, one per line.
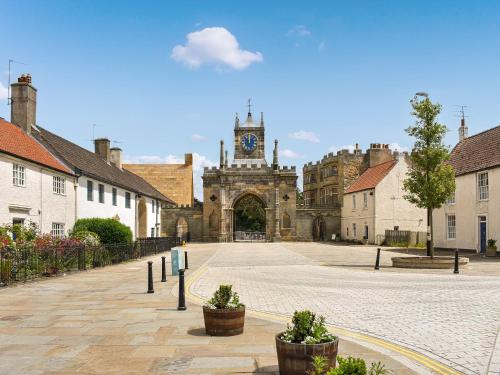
<point>172,180</point>
<point>247,178</point>
<point>324,184</point>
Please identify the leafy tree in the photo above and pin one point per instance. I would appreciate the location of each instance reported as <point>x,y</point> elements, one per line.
<point>430,180</point>
<point>250,215</point>
<point>300,196</point>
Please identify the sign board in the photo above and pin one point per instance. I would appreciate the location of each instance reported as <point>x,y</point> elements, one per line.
<point>177,258</point>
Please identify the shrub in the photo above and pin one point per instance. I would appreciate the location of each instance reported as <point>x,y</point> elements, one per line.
<point>347,366</point>
<point>306,328</point>
<point>225,298</point>
<point>108,230</point>
<point>88,238</point>
<point>492,243</point>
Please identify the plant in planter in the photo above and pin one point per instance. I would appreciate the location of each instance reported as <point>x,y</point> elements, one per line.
<point>347,366</point>
<point>224,315</point>
<point>491,249</point>
<point>305,338</point>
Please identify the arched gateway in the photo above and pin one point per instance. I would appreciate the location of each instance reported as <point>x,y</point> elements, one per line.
<point>247,198</point>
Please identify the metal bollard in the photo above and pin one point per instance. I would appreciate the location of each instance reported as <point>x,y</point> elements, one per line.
<point>150,277</point>
<point>456,262</point>
<point>377,261</point>
<point>182,297</point>
<point>186,260</point>
<point>163,271</point>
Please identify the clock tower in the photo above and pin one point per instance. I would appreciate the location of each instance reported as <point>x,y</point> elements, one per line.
<point>249,140</point>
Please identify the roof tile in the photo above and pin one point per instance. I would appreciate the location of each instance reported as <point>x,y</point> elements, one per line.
<point>371,177</point>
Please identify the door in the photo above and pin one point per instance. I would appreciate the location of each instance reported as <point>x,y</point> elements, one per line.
<point>482,234</point>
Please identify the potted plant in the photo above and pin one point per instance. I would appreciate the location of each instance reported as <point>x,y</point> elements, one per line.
<point>305,338</point>
<point>491,250</point>
<point>224,315</point>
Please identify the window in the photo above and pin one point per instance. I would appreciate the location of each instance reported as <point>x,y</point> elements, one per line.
<point>57,230</point>
<point>451,227</point>
<point>127,200</point>
<point>322,196</point>
<point>153,205</point>
<point>482,185</point>
<point>58,185</point>
<point>354,202</point>
<point>152,232</point>
<point>366,232</point>
<point>114,196</point>
<point>365,200</point>
<point>18,175</point>
<point>347,228</point>
<point>101,193</point>
<point>90,190</point>
<point>451,200</point>
<point>354,234</point>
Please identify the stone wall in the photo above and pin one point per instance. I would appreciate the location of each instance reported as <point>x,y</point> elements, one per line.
<point>170,216</point>
<point>305,221</point>
<point>175,181</point>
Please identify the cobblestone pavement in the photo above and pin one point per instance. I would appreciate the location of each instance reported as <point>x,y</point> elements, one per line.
<point>451,318</point>
<point>102,321</point>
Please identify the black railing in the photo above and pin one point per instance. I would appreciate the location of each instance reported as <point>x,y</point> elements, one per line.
<point>28,262</point>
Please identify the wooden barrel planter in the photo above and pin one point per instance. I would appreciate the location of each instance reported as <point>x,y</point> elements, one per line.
<point>224,322</point>
<point>296,359</point>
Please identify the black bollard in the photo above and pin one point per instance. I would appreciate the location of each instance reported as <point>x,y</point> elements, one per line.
<point>163,271</point>
<point>377,261</point>
<point>186,260</point>
<point>150,277</point>
<point>456,262</point>
<point>182,297</point>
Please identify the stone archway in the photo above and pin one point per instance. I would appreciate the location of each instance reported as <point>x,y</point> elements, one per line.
<point>182,229</point>
<point>142,214</point>
<point>319,228</point>
<point>249,218</point>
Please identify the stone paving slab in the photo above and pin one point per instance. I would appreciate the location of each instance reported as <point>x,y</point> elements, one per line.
<point>103,322</point>
<point>451,318</point>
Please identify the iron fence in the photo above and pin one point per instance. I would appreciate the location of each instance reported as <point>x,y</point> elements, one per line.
<point>28,262</point>
<point>249,236</point>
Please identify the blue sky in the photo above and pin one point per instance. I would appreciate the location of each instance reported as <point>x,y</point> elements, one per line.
<point>165,78</point>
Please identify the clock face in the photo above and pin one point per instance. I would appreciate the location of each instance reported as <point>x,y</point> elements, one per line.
<point>249,142</point>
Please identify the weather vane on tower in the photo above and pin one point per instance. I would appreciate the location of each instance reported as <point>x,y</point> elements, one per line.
<point>249,106</point>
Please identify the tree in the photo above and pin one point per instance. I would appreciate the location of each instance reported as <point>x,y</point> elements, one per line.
<point>430,180</point>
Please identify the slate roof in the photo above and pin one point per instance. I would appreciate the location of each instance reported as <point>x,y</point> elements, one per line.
<point>14,141</point>
<point>371,177</point>
<point>477,152</point>
<point>85,162</point>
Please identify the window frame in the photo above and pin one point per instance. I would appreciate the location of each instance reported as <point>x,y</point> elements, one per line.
<point>102,192</point>
<point>18,175</point>
<point>354,230</point>
<point>354,201</point>
<point>483,190</point>
<point>58,230</point>
<point>90,190</point>
<point>58,185</point>
<point>451,229</point>
<point>128,200</point>
<point>365,199</point>
<point>114,196</point>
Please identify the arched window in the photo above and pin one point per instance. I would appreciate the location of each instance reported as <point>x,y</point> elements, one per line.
<point>285,221</point>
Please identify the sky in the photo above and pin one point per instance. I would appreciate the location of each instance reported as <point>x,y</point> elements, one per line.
<point>161,79</point>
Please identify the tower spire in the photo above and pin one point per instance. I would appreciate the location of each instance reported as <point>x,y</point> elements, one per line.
<point>275,155</point>
<point>221,161</point>
<point>249,107</point>
<point>237,121</point>
<point>262,119</point>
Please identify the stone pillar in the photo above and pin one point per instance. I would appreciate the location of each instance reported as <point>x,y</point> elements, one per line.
<point>277,235</point>
<point>222,229</point>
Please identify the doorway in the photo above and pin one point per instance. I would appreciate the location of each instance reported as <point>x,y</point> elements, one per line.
<point>482,234</point>
<point>249,218</point>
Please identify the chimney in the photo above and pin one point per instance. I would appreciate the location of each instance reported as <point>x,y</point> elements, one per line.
<point>101,146</point>
<point>23,103</point>
<point>115,156</point>
<point>463,131</point>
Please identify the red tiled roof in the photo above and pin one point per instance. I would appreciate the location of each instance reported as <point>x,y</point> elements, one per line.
<point>477,152</point>
<point>14,141</point>
<point>371,177</point>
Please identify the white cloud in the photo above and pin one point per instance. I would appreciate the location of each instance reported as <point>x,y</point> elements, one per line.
<point>298,30</point>
<point>290,154</point>
<point>214,45</point>
<point>3,91</point>
<point>199,163</point>
<point>303,135</point>
<point>397,147</point>
<point>197,137</point>
<point>321,46</point>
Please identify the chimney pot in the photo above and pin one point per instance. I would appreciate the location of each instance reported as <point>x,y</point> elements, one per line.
<point>23,103</point>
<point>115,156</point>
